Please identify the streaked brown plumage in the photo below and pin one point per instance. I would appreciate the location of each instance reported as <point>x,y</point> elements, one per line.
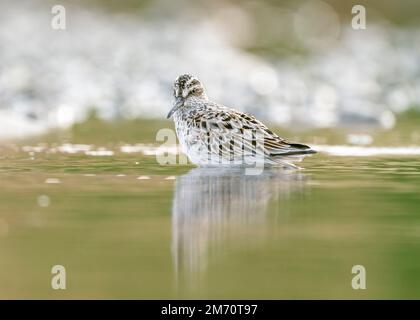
<point>213,134</point>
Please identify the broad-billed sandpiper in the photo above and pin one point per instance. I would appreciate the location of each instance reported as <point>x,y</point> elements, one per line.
<point>212,134</point>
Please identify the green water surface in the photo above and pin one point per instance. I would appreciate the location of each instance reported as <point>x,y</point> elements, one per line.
<point>208,234</point>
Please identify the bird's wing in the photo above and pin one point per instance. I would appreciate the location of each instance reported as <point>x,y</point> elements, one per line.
<point>226,131</point>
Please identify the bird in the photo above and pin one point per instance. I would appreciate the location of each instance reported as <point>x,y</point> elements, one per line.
<point>211,134</point>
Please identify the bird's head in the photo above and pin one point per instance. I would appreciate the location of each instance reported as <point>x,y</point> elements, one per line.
<point>186,86</point>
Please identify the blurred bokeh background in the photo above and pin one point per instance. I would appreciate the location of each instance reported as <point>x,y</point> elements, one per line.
<point>294,63</point>
<point>81,187</point>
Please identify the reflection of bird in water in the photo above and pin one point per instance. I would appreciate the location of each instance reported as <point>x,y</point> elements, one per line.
<point>211,205</point>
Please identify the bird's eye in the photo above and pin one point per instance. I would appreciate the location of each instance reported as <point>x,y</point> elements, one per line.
<point>195,90</point>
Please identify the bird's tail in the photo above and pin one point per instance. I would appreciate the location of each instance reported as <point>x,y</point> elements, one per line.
<point>295,149</point>
<point>296,153</point>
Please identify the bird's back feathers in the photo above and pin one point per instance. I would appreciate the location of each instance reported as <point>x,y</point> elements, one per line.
<point>217,131</point>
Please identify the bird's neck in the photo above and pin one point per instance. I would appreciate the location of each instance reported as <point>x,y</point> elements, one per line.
<point>191,100</point>
<point>194,102</point>
<point>191,104</point>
